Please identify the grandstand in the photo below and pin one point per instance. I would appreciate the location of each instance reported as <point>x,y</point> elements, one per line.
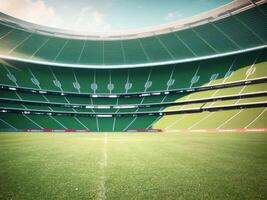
<point>205,76</point>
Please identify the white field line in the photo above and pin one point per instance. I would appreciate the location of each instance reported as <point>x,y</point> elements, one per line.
<point>101,195</point>
<point>256,118</point>
<point>229,119</point>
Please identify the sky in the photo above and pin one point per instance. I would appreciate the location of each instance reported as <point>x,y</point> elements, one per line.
<point>98,16</point>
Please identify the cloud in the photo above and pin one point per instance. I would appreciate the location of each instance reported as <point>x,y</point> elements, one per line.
<point>35,11</point>
<point>88,20</point>
<point>91,20</point>
<point>173,16</point>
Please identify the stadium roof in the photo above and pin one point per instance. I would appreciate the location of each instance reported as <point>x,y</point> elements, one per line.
<point>236,27</point>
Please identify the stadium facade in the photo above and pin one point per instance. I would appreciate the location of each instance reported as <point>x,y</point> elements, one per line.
<point>205,74</point>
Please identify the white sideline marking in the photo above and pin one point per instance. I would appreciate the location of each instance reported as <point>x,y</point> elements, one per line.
<point>256,118</point>
<point>101,195</point>
<point>230,119</point>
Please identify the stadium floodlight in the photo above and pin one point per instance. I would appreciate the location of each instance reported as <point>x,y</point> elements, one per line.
<point>190,90</point>
<point>125,106</point>
<point>103,115</point>
<point>42,92</point>
<point>103,107</point>
<point>156,93</point>
<point>113,96</point>
<point>11,88</point>
<point>145,95</point>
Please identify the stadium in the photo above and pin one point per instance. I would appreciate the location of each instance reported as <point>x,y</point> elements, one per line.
<point>176,111</point>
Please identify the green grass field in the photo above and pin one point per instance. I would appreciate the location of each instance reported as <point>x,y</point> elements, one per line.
<point>133,166</point>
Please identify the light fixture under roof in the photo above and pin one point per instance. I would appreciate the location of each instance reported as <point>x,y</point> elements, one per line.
<point>42,92</point>
<point>113,96</point>
<point>104,115</point>
<point>103,107</point>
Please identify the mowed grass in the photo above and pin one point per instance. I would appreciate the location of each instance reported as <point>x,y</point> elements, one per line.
<point>133,166</point>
